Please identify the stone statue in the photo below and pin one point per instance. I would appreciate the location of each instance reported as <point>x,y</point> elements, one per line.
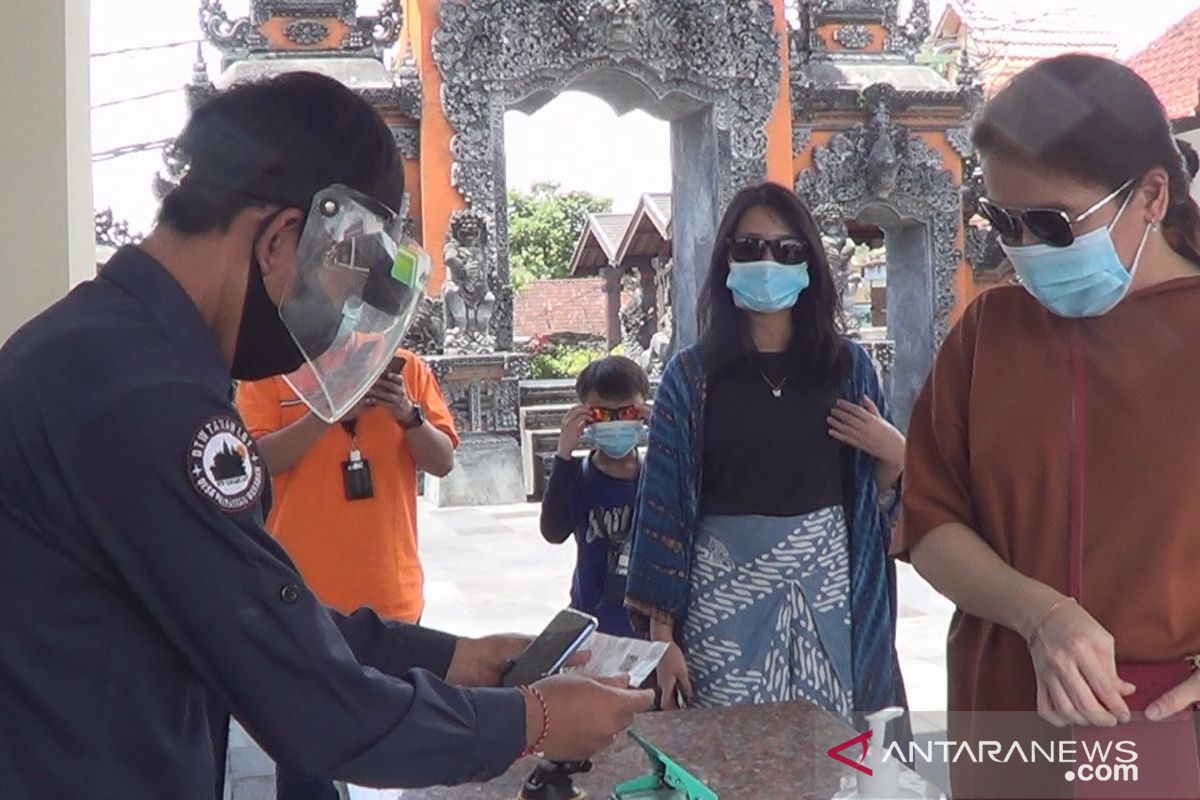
<point>839,250</point>
<point>883,163</point>
<point>637,323</point>
<point>654,359</point>
<point>467,299</point>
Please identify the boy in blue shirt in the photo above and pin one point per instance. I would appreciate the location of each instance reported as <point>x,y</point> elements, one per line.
<point>594,497</point>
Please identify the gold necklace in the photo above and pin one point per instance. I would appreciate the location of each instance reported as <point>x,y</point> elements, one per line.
<point>776,388</point>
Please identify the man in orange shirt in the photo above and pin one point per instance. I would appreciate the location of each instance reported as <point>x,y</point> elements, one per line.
<point>354,538</point>
<point>345,495</point>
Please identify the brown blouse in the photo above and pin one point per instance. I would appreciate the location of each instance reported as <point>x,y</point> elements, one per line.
<point>988,447</point>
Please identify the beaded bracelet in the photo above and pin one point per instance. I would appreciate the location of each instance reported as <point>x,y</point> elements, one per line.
<point>536,747</point>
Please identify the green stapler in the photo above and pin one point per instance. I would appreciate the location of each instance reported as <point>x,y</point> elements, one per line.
<point>669,781</point>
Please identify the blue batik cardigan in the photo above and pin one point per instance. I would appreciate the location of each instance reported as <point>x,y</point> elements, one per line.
<point>668,513</point>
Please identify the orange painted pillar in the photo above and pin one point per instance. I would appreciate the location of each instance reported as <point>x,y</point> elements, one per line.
<point>438,198</point>
<point>779,126</point>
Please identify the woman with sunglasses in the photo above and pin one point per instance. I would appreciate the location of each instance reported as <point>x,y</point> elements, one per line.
<point>760,544</point>
<point>1053,453</point>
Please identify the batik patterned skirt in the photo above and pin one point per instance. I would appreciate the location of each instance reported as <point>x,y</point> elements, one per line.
<point>768,617</point>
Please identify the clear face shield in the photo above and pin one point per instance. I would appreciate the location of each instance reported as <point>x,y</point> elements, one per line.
<point>357,286</point>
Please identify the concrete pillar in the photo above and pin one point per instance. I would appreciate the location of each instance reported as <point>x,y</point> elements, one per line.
<point>47,233</point>
<point>695,185</point>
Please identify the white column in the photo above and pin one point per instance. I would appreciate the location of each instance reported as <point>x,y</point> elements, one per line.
<point>47,240</point>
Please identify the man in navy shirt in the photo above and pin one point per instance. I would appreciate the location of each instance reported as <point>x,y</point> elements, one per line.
<point>140,597</point>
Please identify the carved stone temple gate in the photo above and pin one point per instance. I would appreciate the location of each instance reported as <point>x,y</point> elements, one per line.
<point>823,95</point>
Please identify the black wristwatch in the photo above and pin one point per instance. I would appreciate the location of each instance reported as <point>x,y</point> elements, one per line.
<point>418,418</point>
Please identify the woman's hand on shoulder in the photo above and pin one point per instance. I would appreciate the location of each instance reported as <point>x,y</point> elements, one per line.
<point>865,428</point>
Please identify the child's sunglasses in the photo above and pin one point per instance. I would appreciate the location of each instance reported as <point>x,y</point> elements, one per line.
<point>788,250</point>
<point>1050,226</point>
<point>622,414</point>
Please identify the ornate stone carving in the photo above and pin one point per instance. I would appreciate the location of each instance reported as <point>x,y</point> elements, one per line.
<point>408,140</point>
<point>854,37</point>
<point>306,32</point>
<point>493,55</point>
<point>237,38</point>
<point>380,31</point>
<point>428,328</point>
<point>883,163</point>
<point>467,295</point>
<point>201,87</point>
<point>908,38</point>
<point>960,139</point>
<point>482,404</point>
<point>851,172</point>
<point>903,38</point>
<point>801,135</point>
<point>229,35</point>
<point>982,243</point>
<point>409,94</point>
<point>984,252</point>
<point>175,167</point>
<point>970,87</point>
<point>111,232</point>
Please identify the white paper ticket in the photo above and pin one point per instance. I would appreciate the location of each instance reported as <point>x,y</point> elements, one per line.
<point>617,655</point>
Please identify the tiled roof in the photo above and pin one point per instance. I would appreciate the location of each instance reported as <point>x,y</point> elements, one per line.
<point>569,305</point>
<point>598,242</point>
<point>1171,64</point>
<point>662,204</point>
<point>610,230</point>
<point>1006,36</point>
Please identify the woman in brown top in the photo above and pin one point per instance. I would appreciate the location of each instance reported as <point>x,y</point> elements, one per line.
<point>1090,195</point>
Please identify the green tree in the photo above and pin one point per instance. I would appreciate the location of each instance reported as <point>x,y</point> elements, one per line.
<point>543,228</point>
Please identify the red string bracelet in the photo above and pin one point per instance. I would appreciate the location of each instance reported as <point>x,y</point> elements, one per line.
<point>536,747</point>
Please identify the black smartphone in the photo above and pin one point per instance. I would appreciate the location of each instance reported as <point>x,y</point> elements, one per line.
<point>397,365</point>
<point>565,634</point>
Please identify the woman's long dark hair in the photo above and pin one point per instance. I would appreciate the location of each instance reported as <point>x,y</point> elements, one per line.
<point>816,318</point>
<point>1098,121</point>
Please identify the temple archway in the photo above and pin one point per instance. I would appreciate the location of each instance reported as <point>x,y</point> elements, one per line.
<point>710,68</point>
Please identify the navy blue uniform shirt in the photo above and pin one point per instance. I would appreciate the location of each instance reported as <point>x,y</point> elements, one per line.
<point>139,591</point>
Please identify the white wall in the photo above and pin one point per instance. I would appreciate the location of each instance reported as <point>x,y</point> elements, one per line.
<point>46,228</point>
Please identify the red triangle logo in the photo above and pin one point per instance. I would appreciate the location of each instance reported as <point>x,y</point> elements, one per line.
<point>862,739</point>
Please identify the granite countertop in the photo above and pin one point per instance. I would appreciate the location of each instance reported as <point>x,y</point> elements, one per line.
<point>766,752</point>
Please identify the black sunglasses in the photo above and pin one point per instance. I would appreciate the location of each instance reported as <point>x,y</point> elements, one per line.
<point>788,250</point>
<point>1050,226</point>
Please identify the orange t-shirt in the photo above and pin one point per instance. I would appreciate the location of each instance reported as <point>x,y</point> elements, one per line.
<point>361,552</point>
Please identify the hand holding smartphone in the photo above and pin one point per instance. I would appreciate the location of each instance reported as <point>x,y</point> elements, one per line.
<point>565,634</point>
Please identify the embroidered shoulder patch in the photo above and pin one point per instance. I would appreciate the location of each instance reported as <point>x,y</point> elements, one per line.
<point>224,466</point>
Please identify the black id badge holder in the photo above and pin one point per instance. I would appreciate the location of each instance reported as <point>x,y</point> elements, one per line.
<point>356,471</point>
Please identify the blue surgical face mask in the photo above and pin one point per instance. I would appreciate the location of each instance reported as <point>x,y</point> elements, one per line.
<point>766,286</point>
<point>1084,279</point>
<point>616,439</point>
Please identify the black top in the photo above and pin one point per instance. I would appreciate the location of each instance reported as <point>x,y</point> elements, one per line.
<point>139,592</point>
<point>769,455</point>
